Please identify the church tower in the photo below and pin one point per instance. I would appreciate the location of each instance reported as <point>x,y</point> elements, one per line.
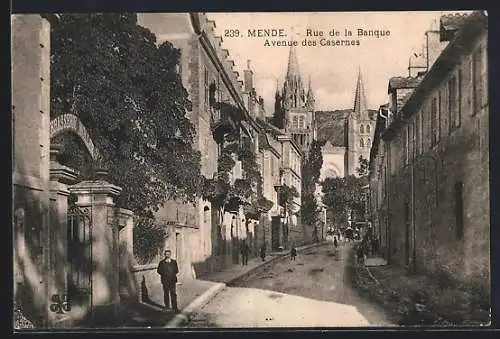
<point>297,105</point>
<point>359,128</point>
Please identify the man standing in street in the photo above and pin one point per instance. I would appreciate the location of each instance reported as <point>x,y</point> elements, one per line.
<point>167,269</point>
<point>244,253</point>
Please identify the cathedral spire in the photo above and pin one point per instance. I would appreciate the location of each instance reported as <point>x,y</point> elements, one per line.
<point>360,106</point>
<point>310,96</point>
<point>294,95</point>
<point>293,64</point>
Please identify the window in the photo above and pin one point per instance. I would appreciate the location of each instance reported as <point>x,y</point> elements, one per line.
<point>367,128</point>
<point>434,121</point>
<point>206,214</point>
<point>441,110</point>
<point>454,103</point>
<point>361,142</point>
<point>206,82</point>
<point>480,78</point>
<point>368,142</point>
<point>295,122</point>
<point>418,130</point>
<point>361,129</point>
<point>466,85</point>
<point>411,147</point>
<point>407,134</point>
<point>301,122</point>
<point>459,213</point>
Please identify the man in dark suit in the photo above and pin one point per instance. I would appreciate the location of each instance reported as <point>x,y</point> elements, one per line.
<point>244,253</point>
<point>167,269</point>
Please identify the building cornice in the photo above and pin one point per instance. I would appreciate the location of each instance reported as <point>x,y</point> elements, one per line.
<point>212,54</point>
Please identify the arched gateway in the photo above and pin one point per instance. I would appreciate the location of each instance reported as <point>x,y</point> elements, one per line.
<point>71,122</point>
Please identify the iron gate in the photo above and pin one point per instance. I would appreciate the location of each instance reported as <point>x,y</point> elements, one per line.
<point>80,256</point>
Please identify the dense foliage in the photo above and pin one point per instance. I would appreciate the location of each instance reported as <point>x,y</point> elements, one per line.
<point>149,240</point>
<point>127,92</point>
<point>286,196</point>
<point>346,195</point>
<point>247,191</point>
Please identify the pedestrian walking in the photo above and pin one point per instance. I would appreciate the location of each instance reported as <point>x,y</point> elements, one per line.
<point>360,254</point>
<point>263,252</point>
<point>168,270</point>
<point>293,253</point>
<point>335,242</point>
<point>244,253</point>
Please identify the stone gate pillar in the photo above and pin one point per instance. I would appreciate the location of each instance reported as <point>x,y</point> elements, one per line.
<point>98,196</point>
<point>60,177</point>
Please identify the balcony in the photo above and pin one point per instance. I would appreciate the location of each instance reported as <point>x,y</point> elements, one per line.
<point>225,120</point>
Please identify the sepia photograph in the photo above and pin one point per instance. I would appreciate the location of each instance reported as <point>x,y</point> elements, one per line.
<point>205,170</point>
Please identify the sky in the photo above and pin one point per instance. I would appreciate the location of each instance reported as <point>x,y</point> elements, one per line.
<point>333,69</point>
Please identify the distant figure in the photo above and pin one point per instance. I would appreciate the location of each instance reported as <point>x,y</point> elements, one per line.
<point>244,253</point>
<point>293,253</point>
<point>168,269</point>
<point>263,252</point>
<point>375,246</point>
<point>335,242</point>
<point>360,254</point>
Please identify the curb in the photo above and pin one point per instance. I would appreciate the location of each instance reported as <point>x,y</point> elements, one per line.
<point>183,317</point>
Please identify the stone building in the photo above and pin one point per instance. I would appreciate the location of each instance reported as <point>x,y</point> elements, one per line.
<point>429,175</point>
<point>360,124</point>
<point>207,240</point>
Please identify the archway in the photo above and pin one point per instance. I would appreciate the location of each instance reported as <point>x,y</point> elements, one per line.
<point>71,123</point>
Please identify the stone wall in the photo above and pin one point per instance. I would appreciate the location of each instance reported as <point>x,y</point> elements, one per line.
<point>461,155</point>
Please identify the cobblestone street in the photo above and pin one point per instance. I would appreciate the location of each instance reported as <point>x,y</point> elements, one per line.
<point>312,291</point>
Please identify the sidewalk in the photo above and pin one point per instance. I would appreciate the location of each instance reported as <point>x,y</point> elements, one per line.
<point>441,304</point>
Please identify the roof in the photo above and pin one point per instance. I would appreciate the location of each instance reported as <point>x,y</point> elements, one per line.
<point>403,82</point>
<point>359,97</point>
<point>473,26</point>
<point>452,22</point>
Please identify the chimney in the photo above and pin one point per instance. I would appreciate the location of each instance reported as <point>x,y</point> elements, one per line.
<point>248,74</point>
<point>418,61</point>
<point>434,46</point>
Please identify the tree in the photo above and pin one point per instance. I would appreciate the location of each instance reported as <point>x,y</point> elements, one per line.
<point>279,113</point>
<point>311,168</point>
<point>127,92</point>
<point>363,166</point>
<point>345,195</point>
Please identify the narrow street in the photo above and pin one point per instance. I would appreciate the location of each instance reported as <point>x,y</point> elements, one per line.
<point>312,291</point>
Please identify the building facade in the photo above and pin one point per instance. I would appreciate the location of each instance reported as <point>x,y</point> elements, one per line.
<point>208,240</point>
<point>429,172</point>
